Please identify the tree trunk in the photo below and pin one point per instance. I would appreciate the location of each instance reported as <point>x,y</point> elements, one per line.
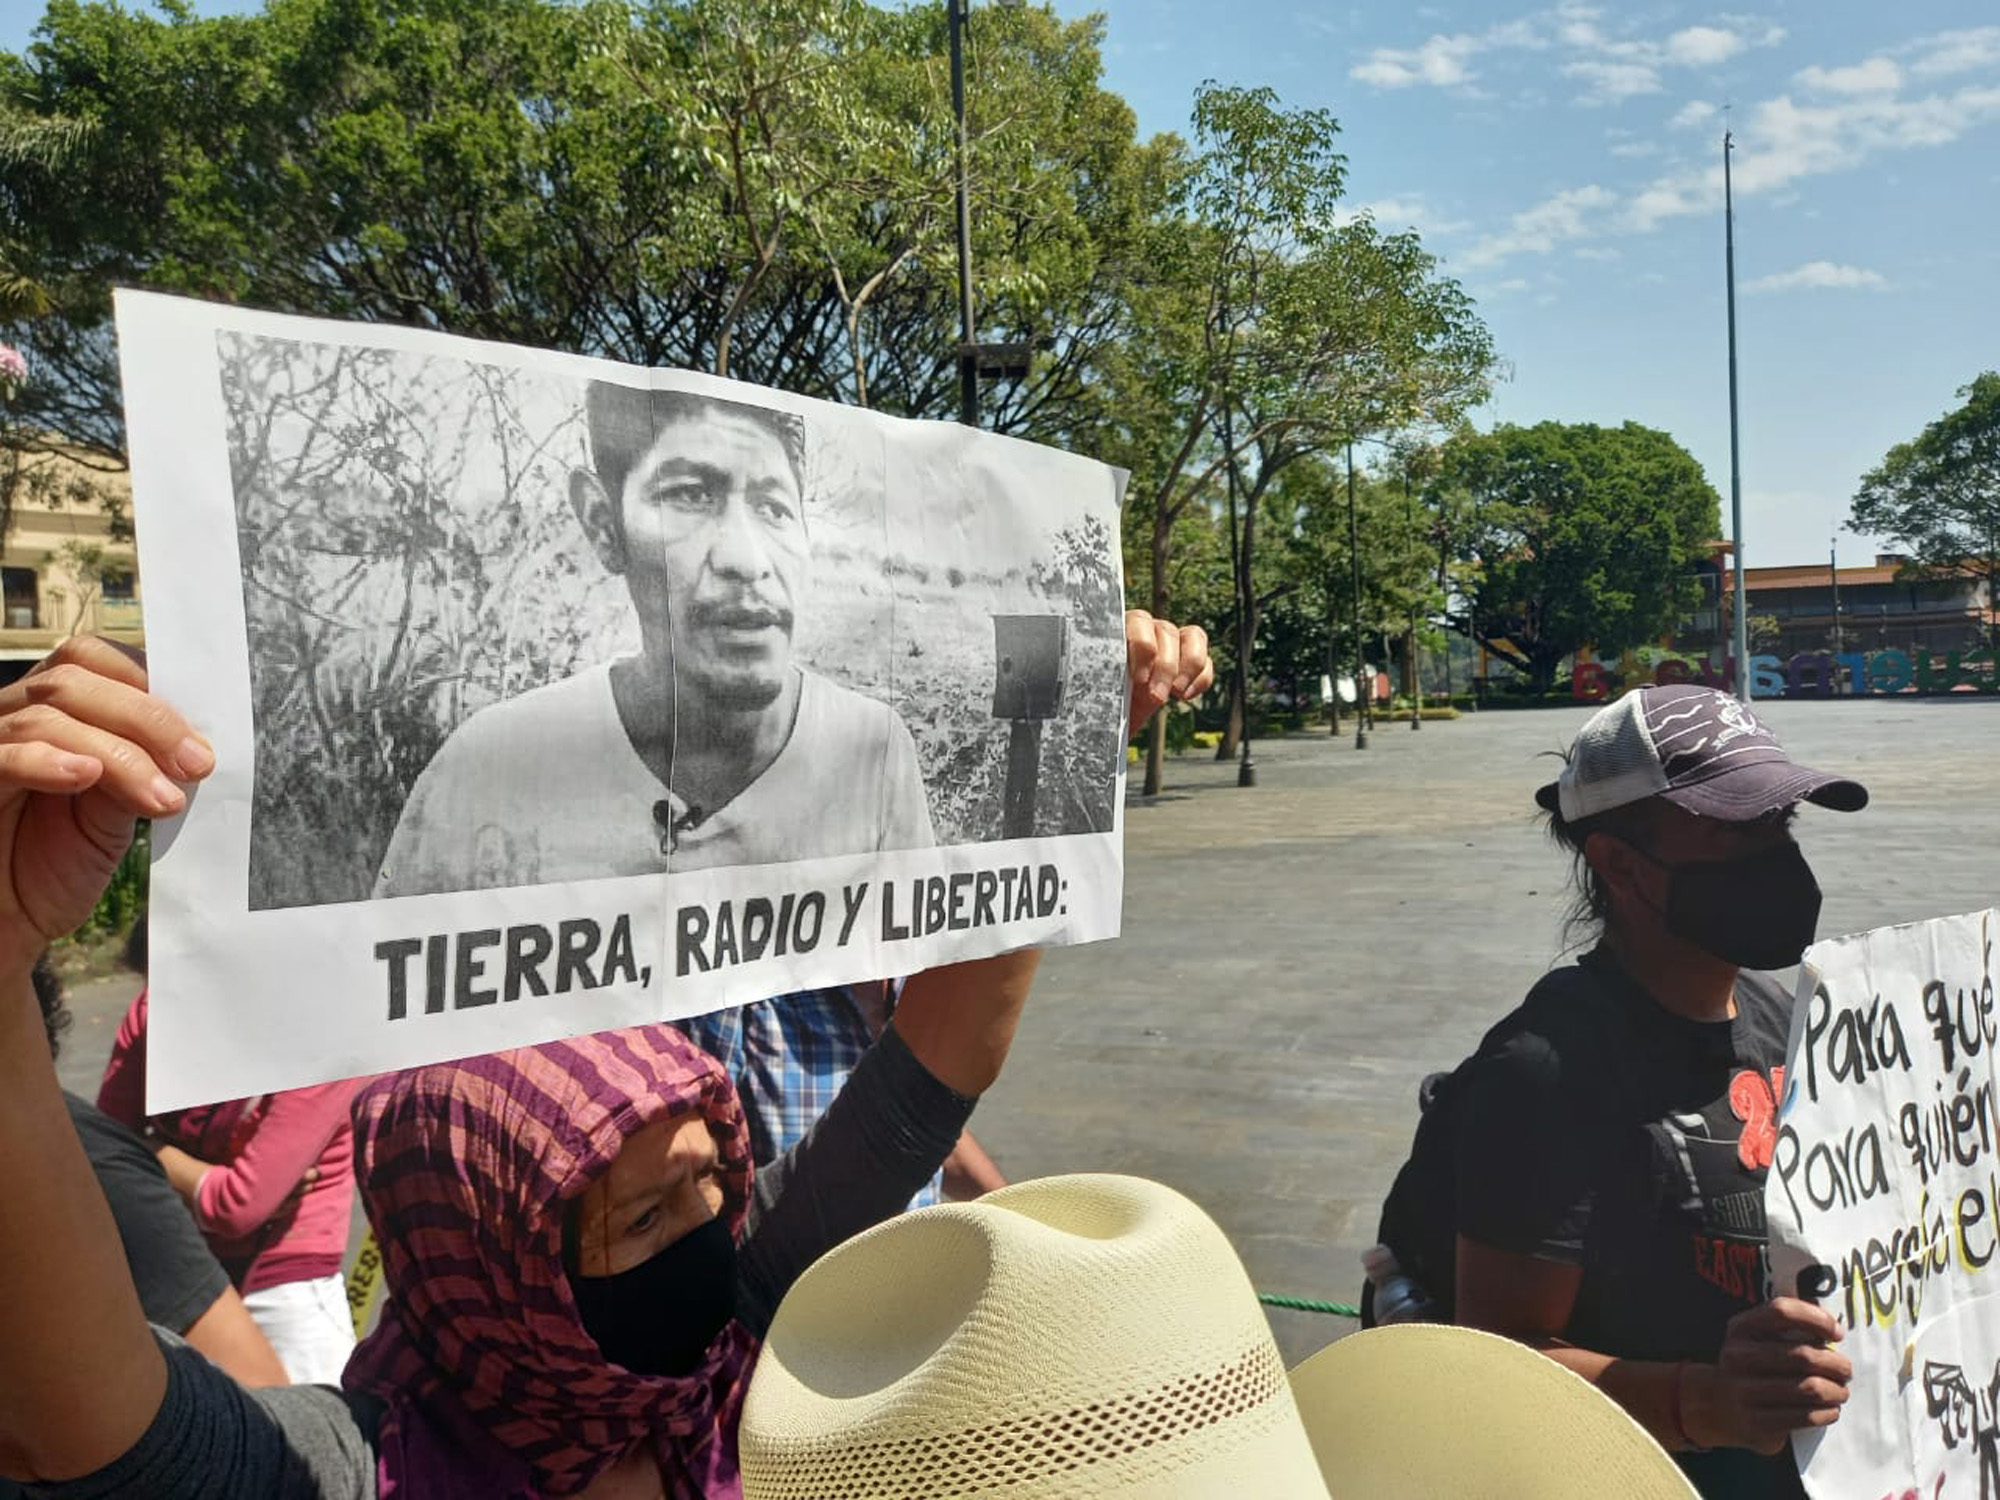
<point>1542,671</point>
<point>1232,732</point>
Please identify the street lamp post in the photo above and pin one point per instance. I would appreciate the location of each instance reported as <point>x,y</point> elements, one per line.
<point>968,368</point>
<point>1246,768</point>
<point>1006,361</point>
<point>1740,622</point>
<point>1363,690</point>
<point>1416,666</point>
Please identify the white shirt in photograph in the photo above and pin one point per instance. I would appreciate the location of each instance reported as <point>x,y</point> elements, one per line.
<point>546,788</point>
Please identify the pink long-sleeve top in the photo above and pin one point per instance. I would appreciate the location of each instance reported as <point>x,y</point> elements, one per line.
<point>261,1226</point>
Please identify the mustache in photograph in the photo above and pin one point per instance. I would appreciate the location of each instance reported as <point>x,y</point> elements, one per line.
<point>734,614</point>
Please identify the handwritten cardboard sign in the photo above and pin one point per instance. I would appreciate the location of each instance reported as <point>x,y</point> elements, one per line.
<point>1884,1204</point>
<point>551,695</point>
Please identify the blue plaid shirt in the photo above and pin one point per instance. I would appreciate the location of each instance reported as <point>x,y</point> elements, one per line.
<point>788,1057</point>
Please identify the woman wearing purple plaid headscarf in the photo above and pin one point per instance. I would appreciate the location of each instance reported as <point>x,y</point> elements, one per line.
<point>495,1362</point>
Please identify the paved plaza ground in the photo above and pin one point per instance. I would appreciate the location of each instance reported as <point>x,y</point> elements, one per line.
<point>1299,954</point>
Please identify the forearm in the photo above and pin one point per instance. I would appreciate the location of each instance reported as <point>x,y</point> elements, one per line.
<point>242,1194</point>
<point>1667,1398</point>
<point>68,1311</point>
<point>184,1174</point>
<point>233,1342</point>
<point>969,1172</point>
<point>959,1020</point>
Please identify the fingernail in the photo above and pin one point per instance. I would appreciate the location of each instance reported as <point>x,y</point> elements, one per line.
<point>1181,684</point>
<point>77,766</point>
<point>167,796</point>
<point>192,757</point>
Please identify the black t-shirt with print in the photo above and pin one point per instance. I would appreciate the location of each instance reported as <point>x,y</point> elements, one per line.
<point>1600,1130</point>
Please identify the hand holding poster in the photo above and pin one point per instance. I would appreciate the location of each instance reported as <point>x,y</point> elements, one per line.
<point>551,695</point>
<point>1884,1204</point>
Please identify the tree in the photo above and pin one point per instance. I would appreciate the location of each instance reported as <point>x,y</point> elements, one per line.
<point>1572,535</point>
<point>1938,495</point>
<point>756,186</point>
<point>1361,337</point>
<point>759,187</point>
<point>30,143</point>
<point>1398,557</point>
<point>1264,334</point>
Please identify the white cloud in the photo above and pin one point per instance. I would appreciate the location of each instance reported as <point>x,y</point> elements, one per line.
<point>1573,214</point>
<point>1614,65</point>
<point>1817,274</point>
<point>1633,150</point>
<point>1613,82</point>
<point>1840,119</point>
<point>1704,46</point>
<point>1878,75</point>
<point>1398,214</point>
<point>1693,113</point>
<point>1598,252</point>
<point>1950,52</point>
<point>1441,62</point>
<point>1781,141</point>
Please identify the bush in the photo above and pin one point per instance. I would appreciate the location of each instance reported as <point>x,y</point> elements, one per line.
<point>125,897</point>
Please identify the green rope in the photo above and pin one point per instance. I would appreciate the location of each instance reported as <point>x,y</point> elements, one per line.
<point>1307,1304</point>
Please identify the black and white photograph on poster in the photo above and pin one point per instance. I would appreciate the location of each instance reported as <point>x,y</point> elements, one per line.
<point>509,629</point>
<point>503,625</point>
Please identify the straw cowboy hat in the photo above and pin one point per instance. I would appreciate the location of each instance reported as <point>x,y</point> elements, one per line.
<point>1096,1336</point>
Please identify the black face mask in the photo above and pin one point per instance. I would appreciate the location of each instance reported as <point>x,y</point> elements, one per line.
<point>1758,912</point>
<point>660,1317</point>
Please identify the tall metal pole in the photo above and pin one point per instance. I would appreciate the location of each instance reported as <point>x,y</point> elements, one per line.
<point>1833,577</point>
<point>1741,613</point>
<point>1363,690</point>
<point>968,369</point>
<point>1416,667</point>
<point>1246,768</point>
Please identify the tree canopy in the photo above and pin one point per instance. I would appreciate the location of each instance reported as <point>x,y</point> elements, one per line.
<point>755,188</point>
<point>1937,497</point>
<point>762,188</point>
<point>1572,535</point>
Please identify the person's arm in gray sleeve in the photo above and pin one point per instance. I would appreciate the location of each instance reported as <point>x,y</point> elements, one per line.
<point>213,1440</point>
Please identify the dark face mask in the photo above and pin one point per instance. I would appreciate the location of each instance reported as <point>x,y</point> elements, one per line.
<point>660,1317</point>
<point>1758,912</point>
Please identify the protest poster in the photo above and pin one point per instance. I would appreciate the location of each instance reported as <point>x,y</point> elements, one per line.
<point>1884,1205</point>
<point>551,695</point>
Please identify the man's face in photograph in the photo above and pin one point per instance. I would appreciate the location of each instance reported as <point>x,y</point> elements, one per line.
<point>716,555</point>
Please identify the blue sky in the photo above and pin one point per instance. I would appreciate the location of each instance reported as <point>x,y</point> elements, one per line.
<point>1564,161</point>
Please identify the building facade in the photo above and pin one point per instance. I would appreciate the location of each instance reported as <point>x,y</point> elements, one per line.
<point>67,564</point>
<point>1885,605</point>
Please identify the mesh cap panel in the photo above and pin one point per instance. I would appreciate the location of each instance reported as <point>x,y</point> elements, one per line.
<point>1613,762</point>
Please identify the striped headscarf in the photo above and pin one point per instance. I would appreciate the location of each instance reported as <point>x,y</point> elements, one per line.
<point>492,1387</point>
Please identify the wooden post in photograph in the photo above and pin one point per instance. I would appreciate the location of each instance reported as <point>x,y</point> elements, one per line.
<point>1030,664</point>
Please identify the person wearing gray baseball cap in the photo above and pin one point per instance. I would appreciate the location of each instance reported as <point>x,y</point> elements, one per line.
<point>1591,1180</point>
